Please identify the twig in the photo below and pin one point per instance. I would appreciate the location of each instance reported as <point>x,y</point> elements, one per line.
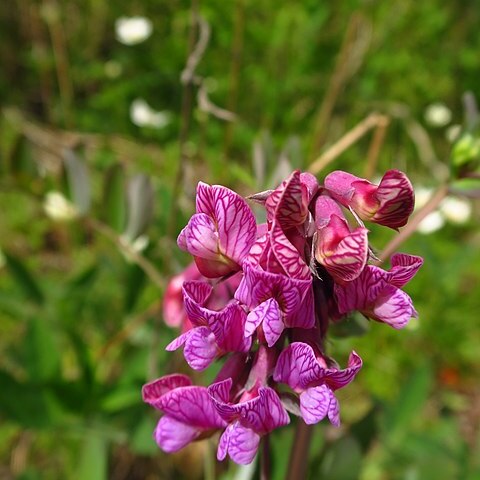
<point>265,460</point>
<point>298,463</point>
<point>373,120</point>
<point>122,335</point>
<point>136,257</point>
<point>349,59</point>
<point>375,147</point>
<point>412,225</point>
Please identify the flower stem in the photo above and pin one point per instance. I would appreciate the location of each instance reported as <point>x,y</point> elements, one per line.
<point>265,458</point>
<point>298,463</point>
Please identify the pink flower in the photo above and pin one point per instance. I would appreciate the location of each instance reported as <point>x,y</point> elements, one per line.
<point>390,203</point>
<point>308,375</point>
<point>173,308</point>
<point>377,293</point>
<point>215,332</point>
<point>342,252</point>
<point>189,411</point>
<point>221,233</point>
<point>258,412</point>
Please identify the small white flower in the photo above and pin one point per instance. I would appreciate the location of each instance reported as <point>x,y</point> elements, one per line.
<point>438,115</point>
<point>58,208</point>
<point>422,196</point>
<point>453,132</point>
<point>133,30</point>
<point>142,115</point>
<point>431,223</point>
<point>456,210</point>
<point>130,247</point>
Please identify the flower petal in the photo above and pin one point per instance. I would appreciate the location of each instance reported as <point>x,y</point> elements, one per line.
<point>393,306</point>
<point>404,268</point>
<point>318,402</point>
<point>172,435</point>
<point>201,237</point>
<point>336,378</point>
<point>200,348</point>
<point>152,391</point>
<point>241,443</point>
<point>296,366</point>
<point>191,405</point>
<point>273,325</point>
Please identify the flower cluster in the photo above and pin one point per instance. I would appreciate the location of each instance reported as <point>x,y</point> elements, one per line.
<point>262,297</point>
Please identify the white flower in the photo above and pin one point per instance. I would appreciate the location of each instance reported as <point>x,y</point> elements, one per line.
<point>456,210</point>
<point>453,132</point>
<point>431,223</point>
<point>142,115</point>
<point>58,208</point>
<point>133,30</point>
<point>422,196</point>
<point>438,115</point>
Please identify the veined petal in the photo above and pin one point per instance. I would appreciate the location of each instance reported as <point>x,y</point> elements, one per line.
<point>193,406</point>
<point>258,314</point>
<point>241,444</point>
<point>296,366</point>
<point>200,348</point>
<point>340,185</point>
<point>336,378</point>
<point>172,435</point>
<point>195,295</point>
<point>304,315</point>
<point>318,402</point>
<point>396,200</point>
<point>152,391</point>
<point>178,342</point>
<point>201,237</point>
<point>404,268</point>
<point>234,219</point>
<point>273,325</point>
<point>288,204</point>
<point>347,261</point>
<point>393,306</point>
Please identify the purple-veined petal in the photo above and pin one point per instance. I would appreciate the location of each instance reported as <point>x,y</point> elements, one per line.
<point>347,261</point>
<point>200,348</point>
<point>178,342</point>
<point>152,391</point>
<point>396,200</point>
<point>228,326</point>
<point>325,208</point>
<point>182,239</point>
<point>288,204</point>
<point>393,306</point>
<point>233,217</point>
<point>195,295</point>
<point>222,449</point>
<point>296,366</point>
<point>193,406</point>
<point>257,286</point>
<point>287,255</point>
<point>339,185</point>
<point>336,378</point>
<point>273,325</point>
<point>334,411</point>
<point>304,316</point>
<point>255,317</point>
<point>242,443</point>
<point>316,404</point>
<point>172,435</point>
<point>311,184</point>
<point>201,237</point>
<point>404,268</point>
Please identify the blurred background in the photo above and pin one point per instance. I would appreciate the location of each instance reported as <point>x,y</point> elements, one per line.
<point>110,114</point>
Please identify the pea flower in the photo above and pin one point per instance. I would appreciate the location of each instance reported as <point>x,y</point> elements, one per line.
<point>390,203</point>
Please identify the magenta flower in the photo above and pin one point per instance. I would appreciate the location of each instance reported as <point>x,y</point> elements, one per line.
<point>258,412</point>
<point>221,233</point>
<point>276,302</point>
<point>377,293</point>
<point>390,203</point>
<point>308,375</point>
<point>189,411</point>
<point>215,332</point>
<point>342,252</point>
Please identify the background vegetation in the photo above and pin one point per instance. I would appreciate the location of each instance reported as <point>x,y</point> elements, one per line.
<point>270,86</point>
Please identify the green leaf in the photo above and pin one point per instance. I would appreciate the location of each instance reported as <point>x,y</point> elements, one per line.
<point>342,460</point>
<point>93,459</point>
<point>409,404</point>
<point>114,197</point>
<point>78,181</point>
<point>140,206</point>
<point>122,398</point>
<point>134,285</point>
<point>41,352</point>
<point>24,279</point>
